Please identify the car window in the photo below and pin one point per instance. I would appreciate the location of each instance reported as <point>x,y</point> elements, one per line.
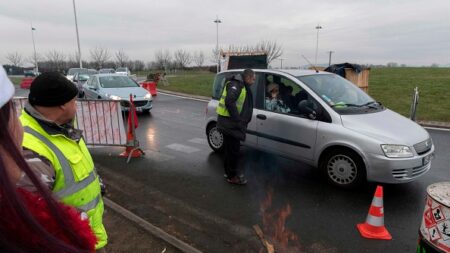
<point>220,80</point>
<point>283,95</point>
<point>117,82</point>
<point>94,83</point>
<point>340,94</point>
<point>219,83</point>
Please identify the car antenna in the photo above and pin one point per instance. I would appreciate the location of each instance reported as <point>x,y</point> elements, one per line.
<point>314,67</point>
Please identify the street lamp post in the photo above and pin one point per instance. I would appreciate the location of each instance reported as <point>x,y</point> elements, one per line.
<point>78,37</point>
<point>318,27</point>
<point>217,21</point>
<point>34,48</point>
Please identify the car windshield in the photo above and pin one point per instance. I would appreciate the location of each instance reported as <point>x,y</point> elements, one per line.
<point>121,70</point>
<point>338,92</point>
<point>117,82</point>
<point>73,71</point>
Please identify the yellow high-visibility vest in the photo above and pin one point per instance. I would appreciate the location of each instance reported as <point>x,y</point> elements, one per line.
<point>76,182</point>
<point>222,109</point>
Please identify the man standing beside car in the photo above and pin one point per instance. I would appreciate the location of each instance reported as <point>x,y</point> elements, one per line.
<point>235,111</point>
<point>48,119</point>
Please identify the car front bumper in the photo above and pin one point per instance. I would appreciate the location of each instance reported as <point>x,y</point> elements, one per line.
<point>398,170</point>
<point>140,105</point>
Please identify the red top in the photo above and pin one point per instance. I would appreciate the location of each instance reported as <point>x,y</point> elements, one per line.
<point>37,206</point>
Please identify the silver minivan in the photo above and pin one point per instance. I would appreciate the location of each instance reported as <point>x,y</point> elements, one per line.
<point>330,123</point>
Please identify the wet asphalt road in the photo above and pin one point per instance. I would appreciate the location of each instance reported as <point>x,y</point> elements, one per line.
<point>179,187</point>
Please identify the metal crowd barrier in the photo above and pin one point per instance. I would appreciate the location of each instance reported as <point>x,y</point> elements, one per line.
<point>101,121</point>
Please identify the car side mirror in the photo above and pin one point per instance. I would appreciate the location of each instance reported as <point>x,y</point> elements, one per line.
<point>305,107</point>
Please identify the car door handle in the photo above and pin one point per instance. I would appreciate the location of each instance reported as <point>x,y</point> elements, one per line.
<point>261,116</point>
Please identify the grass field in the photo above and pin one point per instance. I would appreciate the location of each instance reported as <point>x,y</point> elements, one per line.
<point>391,86</point>
<point>394,87</point>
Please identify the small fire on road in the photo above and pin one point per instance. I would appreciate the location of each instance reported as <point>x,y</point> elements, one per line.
<point>275,236</point>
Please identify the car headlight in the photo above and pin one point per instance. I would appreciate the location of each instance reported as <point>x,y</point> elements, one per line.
<point>114,97</point>
<point>148,96</point>
<point>396,151</point>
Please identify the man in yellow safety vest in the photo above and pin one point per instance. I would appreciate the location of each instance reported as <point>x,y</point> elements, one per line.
<point>235,111</point>
<point>49,133</point>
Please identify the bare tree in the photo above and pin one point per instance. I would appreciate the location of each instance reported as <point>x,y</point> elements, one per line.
<point>30,59</point>
<point>99,56</point>
<point>15,59</point>
<point>121,58</point>
<point>163,59</point>
<point>214,55</point>
<point>198,58</point>
<point>182,58</point>
<point>56,59</point>
<point>271,48</point>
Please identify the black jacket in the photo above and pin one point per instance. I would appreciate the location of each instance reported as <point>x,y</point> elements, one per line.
<point>236,124</point>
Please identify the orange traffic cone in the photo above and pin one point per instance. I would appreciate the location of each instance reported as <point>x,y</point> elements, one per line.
<point>374,228</point>
<point>132,149</point>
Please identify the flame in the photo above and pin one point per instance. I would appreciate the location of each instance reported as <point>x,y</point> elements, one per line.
<point>274,228</point>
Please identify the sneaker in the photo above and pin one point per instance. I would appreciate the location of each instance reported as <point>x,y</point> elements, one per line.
<point>237,180</point>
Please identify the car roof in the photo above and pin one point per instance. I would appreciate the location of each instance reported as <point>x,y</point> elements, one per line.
<point>108,74</point>
<point>293,72</point>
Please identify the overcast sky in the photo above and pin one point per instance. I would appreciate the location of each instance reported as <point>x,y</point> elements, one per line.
<point>413,32</point>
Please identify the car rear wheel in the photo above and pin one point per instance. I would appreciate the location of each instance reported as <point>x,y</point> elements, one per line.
<point>343,168</point>
<point>215,138</point>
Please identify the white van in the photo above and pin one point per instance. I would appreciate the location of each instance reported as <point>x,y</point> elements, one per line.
<point>331,124</point>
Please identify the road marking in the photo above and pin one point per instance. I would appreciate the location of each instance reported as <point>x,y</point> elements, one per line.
<point>157,156</point>
<point>185,97</point>
<point>182,148</point>
<point>198,141</point>
<point>184,247</point>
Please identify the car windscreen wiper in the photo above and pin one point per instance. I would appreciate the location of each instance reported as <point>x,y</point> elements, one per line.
<point>372,104</point>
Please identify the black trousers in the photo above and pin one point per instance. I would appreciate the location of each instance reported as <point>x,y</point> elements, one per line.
<point>232,146</point>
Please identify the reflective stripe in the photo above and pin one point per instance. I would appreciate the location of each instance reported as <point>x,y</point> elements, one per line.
<point>90,205</point>
<point>70,189</point>
<point>375,221</point>
<point>71,186</point>
<point>65,165</point>
<point>377,201</point>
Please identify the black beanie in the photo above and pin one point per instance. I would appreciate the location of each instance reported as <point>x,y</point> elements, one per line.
<point>51,89</point>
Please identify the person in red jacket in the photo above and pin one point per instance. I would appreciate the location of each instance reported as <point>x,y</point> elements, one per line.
<point>32,221</point>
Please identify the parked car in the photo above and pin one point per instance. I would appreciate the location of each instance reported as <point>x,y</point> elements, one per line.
<point>80,79</point>
<point>73,71</point>
<point>123,71</point>
<point>118,87</point>
<point>331,124</point>
<point>30,73</point>
<point>92,71</point>
<point>105,71</point>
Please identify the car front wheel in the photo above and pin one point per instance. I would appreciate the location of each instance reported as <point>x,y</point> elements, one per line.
<point>343,168</point>
<point>215,138</point>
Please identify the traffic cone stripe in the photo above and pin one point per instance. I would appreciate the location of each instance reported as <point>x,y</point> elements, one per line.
<point>377,201</point>
<point>375,221</point>
<point>376,211</point>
